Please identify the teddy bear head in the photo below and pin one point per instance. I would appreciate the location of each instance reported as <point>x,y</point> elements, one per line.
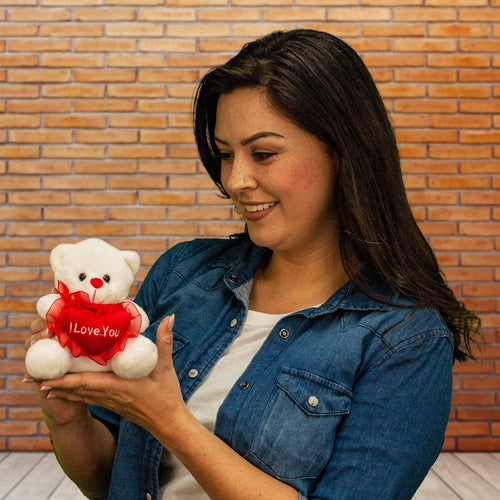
<point>95,267</point>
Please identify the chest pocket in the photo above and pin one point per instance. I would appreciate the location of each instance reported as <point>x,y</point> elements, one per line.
<point>297,433</point>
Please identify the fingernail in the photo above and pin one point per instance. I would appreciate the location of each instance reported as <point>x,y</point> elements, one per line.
<point>171,321</point>
<point>50,395</point>
<point>27,379</point>
<point>45,388</point>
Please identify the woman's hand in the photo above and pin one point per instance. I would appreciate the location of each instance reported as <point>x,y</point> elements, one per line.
<point>56,412</point>
<point>145,401</point>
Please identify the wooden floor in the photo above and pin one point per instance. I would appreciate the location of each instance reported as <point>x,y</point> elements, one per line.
<point>466,476</point>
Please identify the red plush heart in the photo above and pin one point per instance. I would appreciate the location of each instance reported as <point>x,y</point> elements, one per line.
<point>97,331</point>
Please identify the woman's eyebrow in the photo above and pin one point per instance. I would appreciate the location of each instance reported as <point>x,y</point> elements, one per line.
<point>252,138</point>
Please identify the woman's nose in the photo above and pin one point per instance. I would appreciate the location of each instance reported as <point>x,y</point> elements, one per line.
<point>241,177</point>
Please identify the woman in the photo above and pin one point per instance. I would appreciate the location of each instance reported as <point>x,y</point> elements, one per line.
<point>315,350</point>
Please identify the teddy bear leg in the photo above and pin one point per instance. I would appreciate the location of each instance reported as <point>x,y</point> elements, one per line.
<point>137,359</point>
<point>47,359</point>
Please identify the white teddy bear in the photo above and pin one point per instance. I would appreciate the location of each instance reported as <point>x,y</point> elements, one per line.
<point>95,328</point>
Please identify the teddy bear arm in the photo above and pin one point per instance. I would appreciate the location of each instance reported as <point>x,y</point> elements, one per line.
<point>44,303</point>
<point>144,316</point>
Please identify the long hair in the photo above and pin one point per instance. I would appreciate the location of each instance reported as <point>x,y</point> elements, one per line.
<point>321,84</point>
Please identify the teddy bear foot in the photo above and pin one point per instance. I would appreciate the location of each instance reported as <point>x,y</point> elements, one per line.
<point>46,359</point>
<point>137,359</point>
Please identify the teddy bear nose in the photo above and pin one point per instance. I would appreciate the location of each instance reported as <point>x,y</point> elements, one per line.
<point>96,282</point>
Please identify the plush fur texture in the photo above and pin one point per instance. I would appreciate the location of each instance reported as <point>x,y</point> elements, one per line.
<point>105,274</point>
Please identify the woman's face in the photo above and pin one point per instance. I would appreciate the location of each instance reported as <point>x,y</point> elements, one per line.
<point>280,177</point>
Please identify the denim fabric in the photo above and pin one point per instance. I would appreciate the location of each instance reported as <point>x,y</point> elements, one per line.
<point>333,404</point>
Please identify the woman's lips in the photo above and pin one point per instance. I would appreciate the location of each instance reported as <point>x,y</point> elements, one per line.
<point>257,211</point>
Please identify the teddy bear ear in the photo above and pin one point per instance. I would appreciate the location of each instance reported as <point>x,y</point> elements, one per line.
<point>132,259</point>
<point>58,253</point>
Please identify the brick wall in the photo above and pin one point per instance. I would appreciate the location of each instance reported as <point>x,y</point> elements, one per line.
<point>95,140</point>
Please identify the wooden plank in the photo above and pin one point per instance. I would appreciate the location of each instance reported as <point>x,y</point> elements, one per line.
<point>67,489</point>
<point>40,481</point>
<point>434,488</point>
<point>15,467</point>
<point>484,464</point>
<point>466,483</point>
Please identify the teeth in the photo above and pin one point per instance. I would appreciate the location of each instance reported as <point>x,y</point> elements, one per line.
<point>258,208</point>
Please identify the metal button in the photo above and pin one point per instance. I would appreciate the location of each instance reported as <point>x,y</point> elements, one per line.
<point>233,278</point>
<point>284,334</point>
<point>193,373</point>
<point>313,401</point>
<point>244,385</point>
<point>233,323</point>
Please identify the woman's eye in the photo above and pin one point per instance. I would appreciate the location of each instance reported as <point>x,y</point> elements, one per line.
<point>225,156</point>
<point>262,155</point>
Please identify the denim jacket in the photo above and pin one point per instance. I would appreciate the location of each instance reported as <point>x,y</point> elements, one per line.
<point>348,400</point>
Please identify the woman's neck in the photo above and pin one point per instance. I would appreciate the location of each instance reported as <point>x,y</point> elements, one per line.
<point>288,283</point>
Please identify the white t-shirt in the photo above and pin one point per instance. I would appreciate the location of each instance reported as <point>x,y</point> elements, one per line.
<point>206,400</point>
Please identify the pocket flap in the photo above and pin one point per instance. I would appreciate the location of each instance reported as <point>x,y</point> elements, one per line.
<point>315,395</point>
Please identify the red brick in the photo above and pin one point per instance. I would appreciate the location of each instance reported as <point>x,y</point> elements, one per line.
<point>478,444</point>
<point>73,151</point>
<point>460,151</point>
<point>105,167</point>
<point>458,30</point>
<point>40,75</point>
<point>106,229</point>
<point>479,399</point>
<point>72,30</point>
<point>467,429</point>
<point>166,76</point>
<point>31,444</point>
<point>483,14</point>
<point>137,213</point>
<point>18,29</point>
<point>39,106</point>
<point>136,61</point>
<point>129,151</point>
<point>462,243</point>
<point>459,182</point>
<point>459,61</point>
<point>105,75</point>
<point>176,45</point>
<point>460,214</point>
<point>74,121</point>
<point>480,229</point>
<point>424,14</point>
<point>106,198</point>
<point>106,136</point>
<point>72,90</point>
<point>39,15</point>
<point>74,213</point>
<point>104,45</point>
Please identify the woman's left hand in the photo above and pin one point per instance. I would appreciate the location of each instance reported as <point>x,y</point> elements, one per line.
<point>144,401</point>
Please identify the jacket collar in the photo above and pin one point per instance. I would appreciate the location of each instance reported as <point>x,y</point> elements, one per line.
<point>241,262</point>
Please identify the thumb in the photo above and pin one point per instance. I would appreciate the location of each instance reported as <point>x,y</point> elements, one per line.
<point>164,341</point>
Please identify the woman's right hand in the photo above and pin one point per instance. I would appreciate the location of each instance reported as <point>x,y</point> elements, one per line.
<point>58,412</point>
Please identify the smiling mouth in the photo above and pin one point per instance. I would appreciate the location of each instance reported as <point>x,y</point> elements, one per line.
<point>259,208</point>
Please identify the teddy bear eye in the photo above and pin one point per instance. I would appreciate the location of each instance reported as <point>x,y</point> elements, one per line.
<point>106,278</point>
<point>82,276</point>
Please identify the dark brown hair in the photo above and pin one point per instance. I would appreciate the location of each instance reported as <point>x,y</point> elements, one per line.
<point>321,84</point>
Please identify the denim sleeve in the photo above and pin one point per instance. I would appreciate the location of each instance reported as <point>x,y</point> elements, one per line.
<point>395,430</point>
